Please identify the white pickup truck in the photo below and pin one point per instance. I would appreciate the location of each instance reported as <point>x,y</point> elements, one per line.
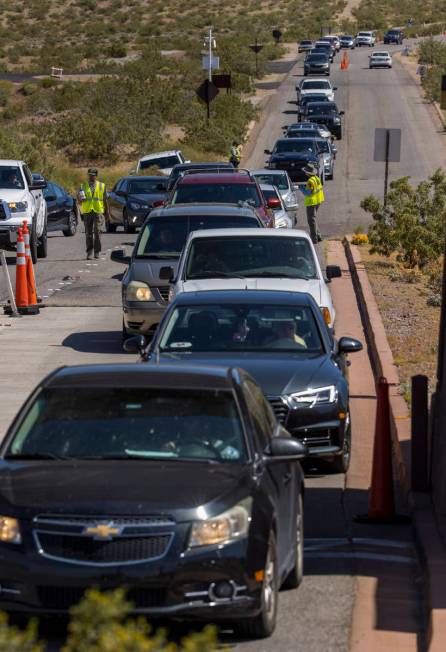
<point>21,198</point>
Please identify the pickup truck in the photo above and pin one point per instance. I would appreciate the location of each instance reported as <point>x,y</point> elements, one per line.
<point>21,198</point>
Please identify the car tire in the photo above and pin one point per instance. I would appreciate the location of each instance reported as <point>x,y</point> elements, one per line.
<point>341,463</point>
<point>295,577</point>
<point>263,625</point>
<point>339,135</point>
<point>42,244</point>
<point>72,225</point>
<point>128,228</point>
<point>33,241</point>
<point>110,227</point>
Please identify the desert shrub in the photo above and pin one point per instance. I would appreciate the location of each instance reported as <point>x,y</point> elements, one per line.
<point>13,639</point>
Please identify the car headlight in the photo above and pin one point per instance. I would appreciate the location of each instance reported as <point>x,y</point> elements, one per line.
<point>337,121</point>
<point>18,206</point>
<point>230,526</point>
<point>136,207</point>
<point>139,291</point>
<point>312,397</point>
<point>10,530</point>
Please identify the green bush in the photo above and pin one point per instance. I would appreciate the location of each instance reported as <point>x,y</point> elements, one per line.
<point>13,639</point>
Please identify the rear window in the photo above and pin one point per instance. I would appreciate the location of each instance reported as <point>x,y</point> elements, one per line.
<point>220,193</point>
<point>146,186</point>
<point>165,237</point>
<point>163,162</point>
<point>316,83</point>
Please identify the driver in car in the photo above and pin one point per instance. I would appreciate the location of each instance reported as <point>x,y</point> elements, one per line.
<point>285,336</point>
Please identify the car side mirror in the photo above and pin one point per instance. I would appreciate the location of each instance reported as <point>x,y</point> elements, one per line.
<point>166,273</point>
<point>349,345</point>
<point>281,449</point>
<point>267,151</point>
<point>333,271</point>
<point>335,88</point>
<point>136,344</point>
<point>38,184</point>
<point>119,256</point>
<point>51,198</point>
<point>121,193</point>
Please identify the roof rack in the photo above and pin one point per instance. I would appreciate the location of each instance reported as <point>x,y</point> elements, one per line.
<point>216,170</point>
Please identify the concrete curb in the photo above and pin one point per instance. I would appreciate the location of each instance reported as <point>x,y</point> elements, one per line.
<point>431,546</point>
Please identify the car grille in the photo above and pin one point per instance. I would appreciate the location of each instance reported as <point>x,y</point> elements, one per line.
<point>134,540</point>
<point>280,408</point>
<point>164,292</point>
<point>314,438</point>
<point>117,551</point>
<point>64,597</point>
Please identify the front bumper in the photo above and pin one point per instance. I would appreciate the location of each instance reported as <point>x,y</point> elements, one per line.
<point>141,318</point>
<point>181,585</point>
<point>317,70</point>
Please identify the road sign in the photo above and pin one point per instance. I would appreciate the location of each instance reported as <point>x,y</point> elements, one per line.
<point>207,92</point>
<point>387,145</point>
<point>215,62</point>
<point>222,81</point>
<point>387,149</point>
<point>276,35</point>
<point>257,47</point>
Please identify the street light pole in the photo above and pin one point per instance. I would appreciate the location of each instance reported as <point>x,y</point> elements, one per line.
<point>210,54</point>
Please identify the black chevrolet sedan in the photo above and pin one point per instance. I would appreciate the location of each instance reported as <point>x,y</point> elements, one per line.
<point>177,483</point>
<point>281,339</point>
<point>132,198</point>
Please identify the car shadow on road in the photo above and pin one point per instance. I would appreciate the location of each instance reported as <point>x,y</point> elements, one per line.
<point>95,342</point>
<point>288,112</point>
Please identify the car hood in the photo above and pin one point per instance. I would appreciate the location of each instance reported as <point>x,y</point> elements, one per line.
<point>148,270</point>
<point>320,91</point>
<point>277,373</point>
<point>312,286</point>
<point>130,487</point>
<point>147,198</point>
<point>323,117</point>
<point>13,195</point>
<point>294,156</point>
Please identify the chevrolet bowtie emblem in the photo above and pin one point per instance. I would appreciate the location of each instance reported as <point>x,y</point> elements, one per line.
<point>102,531</point>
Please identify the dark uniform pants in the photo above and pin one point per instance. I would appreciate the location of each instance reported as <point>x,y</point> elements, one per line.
<point>93,224</point>
<point>312,222</point>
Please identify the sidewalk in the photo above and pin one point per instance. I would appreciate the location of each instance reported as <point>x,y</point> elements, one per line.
<point>387,614</point>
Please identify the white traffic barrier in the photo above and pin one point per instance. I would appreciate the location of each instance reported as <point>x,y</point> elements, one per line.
<point>13,308</point>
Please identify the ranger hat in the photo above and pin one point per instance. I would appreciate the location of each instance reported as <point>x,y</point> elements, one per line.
<point>93,172</point>
<point>310,170</point>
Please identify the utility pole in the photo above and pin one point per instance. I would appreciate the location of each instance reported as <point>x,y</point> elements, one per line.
<point>209,41</point>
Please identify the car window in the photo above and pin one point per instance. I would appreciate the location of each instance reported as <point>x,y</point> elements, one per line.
<point>261,414</point>
<point>221,193</point>
<point>241,327</point>
<point>11,177</point>
<point>317,109</point>
<point>28,175</point>
<point>297,146</point>
<point>272,194</point>
<point>280,181</point>
<point>323,146</point>
<point>165,237</point>
<point>266,256</point>
<point>146,186</point>
<point>162,162</point>
<point>167,424</point>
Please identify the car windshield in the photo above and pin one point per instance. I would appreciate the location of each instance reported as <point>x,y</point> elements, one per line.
<point>165,237</point>
<point>380,54</point>
<point>280,181</point>
<point>162,162</point>
<point>364,34</point>
<point>393,32</point>
<point>300,145</point>
<point>11,177</point>
<point>323,146</point>
<point>264,256</point>
<point>220,193</point>
<point>307,85</point>
<point>317,58</point>
<point>346,38</point>
<point>303,133</point>
<point>324,109</point>
<point>313,98</point>
<point>241,327</point>
<point>136,422</point>
<point>306,42</point>
<point>146,186</point>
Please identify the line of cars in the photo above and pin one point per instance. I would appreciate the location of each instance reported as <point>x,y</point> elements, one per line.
<point>180,478</point>
<point>364,38</point>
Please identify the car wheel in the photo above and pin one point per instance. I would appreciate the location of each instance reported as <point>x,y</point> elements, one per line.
<point>341,463</point>
<point>42,244</point>
<point>33,241</point>
<point>294,579</point>
<point>111,228</point>
<point>128,228</point>
<point>339,136</point>
<point>263,625</point>
<point>72,225</point>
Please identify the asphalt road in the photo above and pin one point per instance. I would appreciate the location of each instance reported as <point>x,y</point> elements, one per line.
<point>318,616</point>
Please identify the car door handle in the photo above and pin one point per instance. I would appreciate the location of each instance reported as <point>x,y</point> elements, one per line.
<point>287,478</point>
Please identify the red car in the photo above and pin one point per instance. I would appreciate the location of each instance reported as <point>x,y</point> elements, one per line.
<point>237,188</point>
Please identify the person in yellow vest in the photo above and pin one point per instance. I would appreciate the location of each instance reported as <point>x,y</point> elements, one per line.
<point>314,196</point>
<point>92,197</point>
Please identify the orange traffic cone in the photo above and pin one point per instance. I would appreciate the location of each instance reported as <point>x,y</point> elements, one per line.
<point>31,282</point>
<point>381,505</point>
<point>21,284</point>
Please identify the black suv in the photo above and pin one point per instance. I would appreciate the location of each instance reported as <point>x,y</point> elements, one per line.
<point>293,154</point>
<point>395,36</point>
<point>326,113</point>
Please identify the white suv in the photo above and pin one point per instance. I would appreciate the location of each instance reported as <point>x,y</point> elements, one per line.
<point>21,198</point>
<point>315,85</point>
<point>165,161</point>
<point>365,38</point>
